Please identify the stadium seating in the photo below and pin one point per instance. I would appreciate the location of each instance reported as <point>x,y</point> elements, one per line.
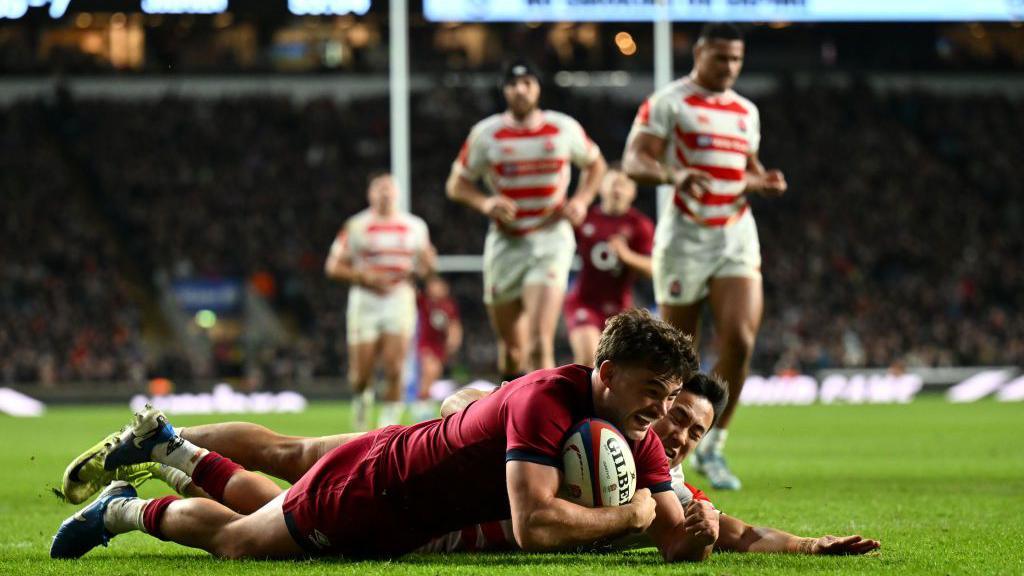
<point>903,209</point>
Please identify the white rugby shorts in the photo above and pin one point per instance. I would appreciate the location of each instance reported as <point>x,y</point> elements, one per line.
<point>687,255</point>
<point>371,315</point>
<point>541,257</point>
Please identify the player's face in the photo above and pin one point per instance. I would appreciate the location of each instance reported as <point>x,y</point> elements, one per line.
<point>617,192</point>
<point>437,289</point>
<point>687,421</point>
<point>636,399</point>
<point>522,95</point>
<point>718,63</point>
<point>383,194</point>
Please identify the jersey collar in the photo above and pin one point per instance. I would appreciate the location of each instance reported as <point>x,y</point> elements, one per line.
<point>533,121</point>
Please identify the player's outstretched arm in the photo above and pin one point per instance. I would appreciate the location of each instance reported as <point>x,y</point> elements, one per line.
<point>737,536</point>
<point>543,522</point>
<point>684,535</point>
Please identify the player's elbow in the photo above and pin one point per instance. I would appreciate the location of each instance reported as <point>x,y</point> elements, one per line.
<point>452,188</point>
<point>535,538</point>
<point>631,165</point>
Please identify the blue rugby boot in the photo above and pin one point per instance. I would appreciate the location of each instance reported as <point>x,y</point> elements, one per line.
<point>135,445</point>
<point>85,530</point>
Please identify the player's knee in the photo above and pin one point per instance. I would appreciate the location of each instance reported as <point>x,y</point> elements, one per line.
<point>512,352</point>
<point>740,341</point>
<point>393,371</point>
<point>234,544</point>
<point>286,455</point>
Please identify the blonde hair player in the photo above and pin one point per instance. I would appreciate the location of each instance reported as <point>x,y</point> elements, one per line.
<point>700,136</point>
<point>377,252</point>
<point>523,157</point>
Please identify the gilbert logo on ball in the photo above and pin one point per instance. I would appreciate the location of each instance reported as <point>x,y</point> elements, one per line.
<point>598,465</point>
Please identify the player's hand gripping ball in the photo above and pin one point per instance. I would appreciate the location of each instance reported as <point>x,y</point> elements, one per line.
<point>597,465</point>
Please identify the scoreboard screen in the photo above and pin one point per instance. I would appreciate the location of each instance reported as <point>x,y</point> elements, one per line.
<point>731,10</point>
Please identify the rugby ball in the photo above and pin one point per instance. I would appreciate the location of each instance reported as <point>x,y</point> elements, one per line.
<point>597,466</point>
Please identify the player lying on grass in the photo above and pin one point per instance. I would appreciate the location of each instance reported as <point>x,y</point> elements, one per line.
<point>394,490</point>
<point>288,457</point>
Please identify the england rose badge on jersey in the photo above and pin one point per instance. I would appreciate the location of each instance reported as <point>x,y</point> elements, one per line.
<point>587,230</point>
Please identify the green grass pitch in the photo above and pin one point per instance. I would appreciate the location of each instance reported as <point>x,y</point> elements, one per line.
<point>941,485</point>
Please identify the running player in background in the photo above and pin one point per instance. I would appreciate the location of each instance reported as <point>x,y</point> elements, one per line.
<point>439,337</point>
<point>614,243</point>
<point>700,136</point>
<point>377,253</point>
<point>523,157</point>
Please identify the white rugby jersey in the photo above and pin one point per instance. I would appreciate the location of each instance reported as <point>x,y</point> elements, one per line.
<point>386,246</point>
<point>710,131</point>
<point>528,163</point>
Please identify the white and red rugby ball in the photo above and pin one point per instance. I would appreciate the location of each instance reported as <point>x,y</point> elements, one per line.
<point>597,465</point>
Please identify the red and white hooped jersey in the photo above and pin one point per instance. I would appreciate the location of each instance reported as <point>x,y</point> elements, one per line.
<point>387,246</point>
<point>527,162</point>
<point>710,131</point>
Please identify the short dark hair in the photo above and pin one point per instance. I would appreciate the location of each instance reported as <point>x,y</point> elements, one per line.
<point>518,68</point>
<point>636,338</point>
<point>374,174</point>
<point>711,387</point>
<point>720,31</point>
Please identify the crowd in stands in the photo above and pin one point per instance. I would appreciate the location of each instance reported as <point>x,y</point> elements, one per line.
<point>65,309</point>
<point>897,244</point>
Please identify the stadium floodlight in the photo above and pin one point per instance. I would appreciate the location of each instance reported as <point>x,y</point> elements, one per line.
<point>184,6</point>
<point>731,10</point>
<point>328,7</point>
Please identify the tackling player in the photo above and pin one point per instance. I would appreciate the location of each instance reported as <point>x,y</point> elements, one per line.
<point>523,157</point>
<point>440,335</point>
<point>691,415</point>
<point>377,252</point>
<point>614,242</point>
<point>700,136</point>
<point>394,490</point>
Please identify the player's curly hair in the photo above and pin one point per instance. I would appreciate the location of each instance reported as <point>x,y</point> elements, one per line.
<point>635,337</point>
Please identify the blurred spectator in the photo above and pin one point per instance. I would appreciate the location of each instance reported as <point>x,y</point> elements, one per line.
<point>898,242</point>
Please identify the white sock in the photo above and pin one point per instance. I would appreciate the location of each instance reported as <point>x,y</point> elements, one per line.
<point>362,407</point>
<point>178,453</point>
<point>391,413</point>
<point>174,478</point>
<point>124,515</point>
<point>714,441</point>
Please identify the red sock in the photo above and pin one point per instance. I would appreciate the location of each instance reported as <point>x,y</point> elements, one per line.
<point>154,512</point>
<point>212,474</point>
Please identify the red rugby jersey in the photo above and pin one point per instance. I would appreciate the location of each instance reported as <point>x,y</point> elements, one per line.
<point>443,475</point>
<point>605,283</point>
